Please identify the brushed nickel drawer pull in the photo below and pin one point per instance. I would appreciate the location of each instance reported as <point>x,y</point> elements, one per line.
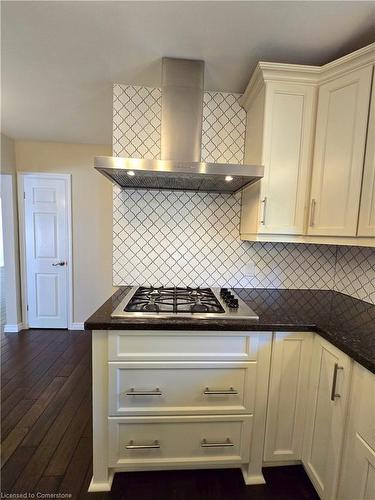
<point>143,446</point>
<point>312,212</point>
<point>263,218</point>
<point>334,394</point>
<point>220,391</point>
<point>133,392</point>
<point>216,444</point>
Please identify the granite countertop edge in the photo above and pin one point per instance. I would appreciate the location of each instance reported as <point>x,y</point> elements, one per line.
<point>346,322</point>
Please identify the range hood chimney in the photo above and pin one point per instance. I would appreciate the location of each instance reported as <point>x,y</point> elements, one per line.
<point>180,166</point>
<point>182,109</point>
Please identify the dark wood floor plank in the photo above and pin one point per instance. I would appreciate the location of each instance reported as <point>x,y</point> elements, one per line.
<point>50,484</point>
<point>14,467</point>
<point>48,417</point>
<point>77,468</point>
<point>11,401</point>
<point>14,416</point>
<point>34,385</point>
<point>33,436</point>
<point>39,461</point>
<point>12,441</point>
<point>31,374</point>
<point>24,357</point>
<point>32,415</point>
<point>64,452</point>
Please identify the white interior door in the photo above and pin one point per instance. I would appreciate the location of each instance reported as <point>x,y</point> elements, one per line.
<point>47,250</point>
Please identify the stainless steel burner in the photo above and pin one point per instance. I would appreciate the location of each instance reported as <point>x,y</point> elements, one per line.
<point>183,302</point>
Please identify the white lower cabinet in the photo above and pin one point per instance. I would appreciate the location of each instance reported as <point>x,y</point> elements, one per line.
<point>167,400</point>
<point>326,415</point>
<point>357,478</point>
<point>287,395</point>
<point>178,399</point>
<point>179,441</point>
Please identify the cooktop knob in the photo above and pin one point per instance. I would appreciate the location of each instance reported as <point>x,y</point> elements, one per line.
<point>233,303</point>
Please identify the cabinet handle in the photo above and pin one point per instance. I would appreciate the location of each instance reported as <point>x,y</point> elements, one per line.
<point>133,392</point>
<point>143,446</point>
<point>220,391</point>
<point>312,212</point>
<point>216,444</point>
<point>264,203</point>
<point>335,395</point>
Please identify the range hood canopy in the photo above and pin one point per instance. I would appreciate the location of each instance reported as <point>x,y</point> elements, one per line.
<point>180,167</point>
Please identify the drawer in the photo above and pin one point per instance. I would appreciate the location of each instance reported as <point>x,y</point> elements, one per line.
<point>181,388</point>
<point>146,345</point>
<point>178,441</point>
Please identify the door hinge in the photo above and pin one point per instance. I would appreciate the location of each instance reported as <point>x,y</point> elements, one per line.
<point>27,307</point>
<point>24,195</point>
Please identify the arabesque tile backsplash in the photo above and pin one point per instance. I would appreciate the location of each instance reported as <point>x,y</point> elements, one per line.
<point>185,238</point>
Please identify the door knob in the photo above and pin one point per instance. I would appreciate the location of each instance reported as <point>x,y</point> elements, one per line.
<point>61,263</point>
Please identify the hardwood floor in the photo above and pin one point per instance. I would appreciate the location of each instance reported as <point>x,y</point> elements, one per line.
<point>46,433</point>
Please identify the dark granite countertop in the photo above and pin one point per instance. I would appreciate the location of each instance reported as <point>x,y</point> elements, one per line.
<point>347,323</point>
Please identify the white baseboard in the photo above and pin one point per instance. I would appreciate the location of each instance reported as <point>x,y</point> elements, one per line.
<point>102,485</point>
<point>251,479</point>
<point>13,328</point>
<point>282,463</point>
<point>76,326</point>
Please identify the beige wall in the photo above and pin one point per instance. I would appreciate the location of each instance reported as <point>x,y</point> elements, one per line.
<point>8,155</point>
<point>91,215</point>
<point>10,235</point>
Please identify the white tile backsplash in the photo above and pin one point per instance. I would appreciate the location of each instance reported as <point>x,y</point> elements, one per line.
<point>191,239</point>
<point>355,272</point>
<point>223,128</point>
<point>183,238</point>
<point>136,121</point>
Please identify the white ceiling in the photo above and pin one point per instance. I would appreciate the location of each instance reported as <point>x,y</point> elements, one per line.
<point>59,59</point>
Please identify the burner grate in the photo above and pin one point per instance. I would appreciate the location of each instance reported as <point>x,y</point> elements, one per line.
<point>175,300</point>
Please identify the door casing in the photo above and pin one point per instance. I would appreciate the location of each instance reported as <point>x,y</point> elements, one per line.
<point>67,178</point>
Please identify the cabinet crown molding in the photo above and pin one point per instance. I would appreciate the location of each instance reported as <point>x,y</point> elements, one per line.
<point>305,74</point>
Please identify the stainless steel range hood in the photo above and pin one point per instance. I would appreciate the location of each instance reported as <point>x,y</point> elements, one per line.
<point>180,167</point>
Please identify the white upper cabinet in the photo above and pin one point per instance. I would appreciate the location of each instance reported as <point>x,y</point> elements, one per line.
<point>312,129</point>
<point>283,116</point>
<point>366,225</point>
<point>341,126</point>
<point>286,152</point>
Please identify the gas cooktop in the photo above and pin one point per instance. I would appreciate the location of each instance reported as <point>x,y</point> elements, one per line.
<point>179,302</point>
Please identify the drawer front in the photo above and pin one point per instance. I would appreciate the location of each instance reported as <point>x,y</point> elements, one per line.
<point>135,442</point>
<point>181,388</point>
<point>141,345</point>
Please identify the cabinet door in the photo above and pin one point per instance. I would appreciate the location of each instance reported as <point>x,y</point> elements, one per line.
<point>360,485</point>
<point>287,145</point>
<point>326,412</point>
<point>357,477</point>
<point>366,226</point>
<point>341,125</point>
<point>290,363</point>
